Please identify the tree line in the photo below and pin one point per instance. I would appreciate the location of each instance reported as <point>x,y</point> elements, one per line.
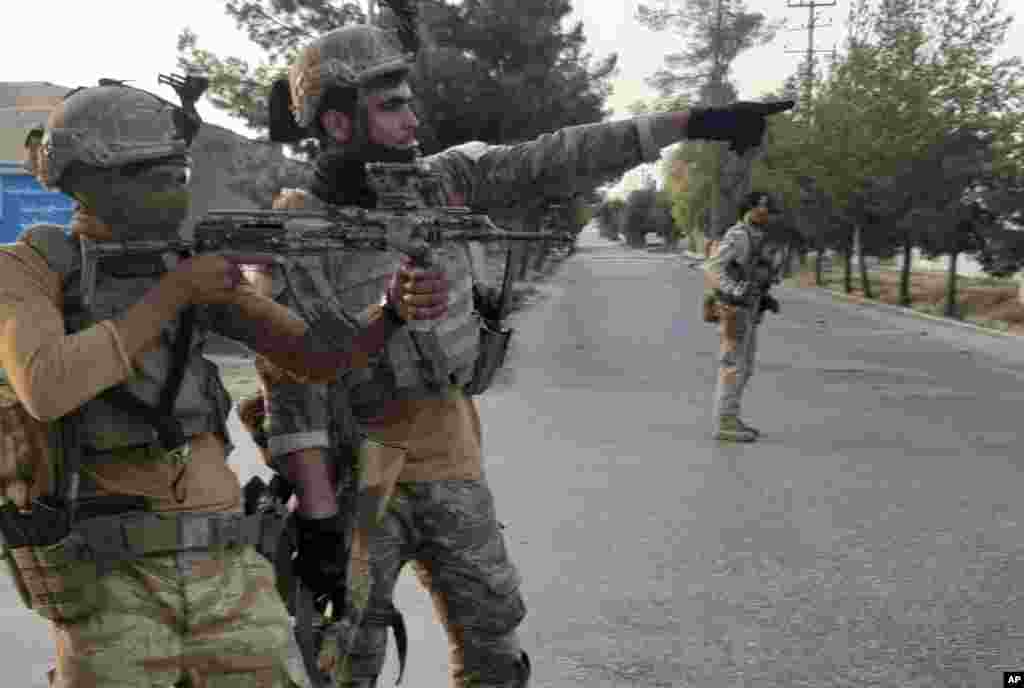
<point>913,140</point>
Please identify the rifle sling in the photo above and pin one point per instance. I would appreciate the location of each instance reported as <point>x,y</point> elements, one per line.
<point>161,417</point>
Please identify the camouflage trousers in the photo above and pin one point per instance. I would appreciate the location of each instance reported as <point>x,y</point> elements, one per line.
<point>738,330</point>
<point>194,619</point>
<point>449,531</point>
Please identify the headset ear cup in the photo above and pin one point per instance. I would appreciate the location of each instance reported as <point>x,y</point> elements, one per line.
<point>283,127</point>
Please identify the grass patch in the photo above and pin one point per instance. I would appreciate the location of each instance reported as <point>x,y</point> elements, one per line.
<point>240,380</point>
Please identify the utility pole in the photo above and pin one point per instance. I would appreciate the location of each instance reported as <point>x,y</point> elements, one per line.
<point>723,200</point>
<point>809,53</point>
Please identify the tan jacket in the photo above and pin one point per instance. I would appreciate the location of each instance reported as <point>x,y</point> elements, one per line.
<point>53,374</point>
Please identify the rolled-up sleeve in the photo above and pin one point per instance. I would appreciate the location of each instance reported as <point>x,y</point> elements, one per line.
<point>52,373</point>
<point>299,418</point>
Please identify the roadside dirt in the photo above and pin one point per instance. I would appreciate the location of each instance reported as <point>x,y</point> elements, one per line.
<point>982,303</point>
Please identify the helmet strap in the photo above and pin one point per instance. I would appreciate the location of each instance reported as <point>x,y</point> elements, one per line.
<point>85,223</point>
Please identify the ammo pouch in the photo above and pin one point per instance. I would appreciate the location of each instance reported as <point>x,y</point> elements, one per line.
<point>56,569</point>
<point>711,311</point>
<point>494,341</point>
<point>25,464</point>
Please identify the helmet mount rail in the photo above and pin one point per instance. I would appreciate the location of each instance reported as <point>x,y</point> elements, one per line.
<point>190,89</point>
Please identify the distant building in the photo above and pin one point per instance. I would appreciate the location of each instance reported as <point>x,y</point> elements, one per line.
<point>23,201</point>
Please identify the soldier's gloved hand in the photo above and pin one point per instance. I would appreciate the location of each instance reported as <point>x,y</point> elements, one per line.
<point>487,302</point>
<point>322,558</point>
<point>418,293</point>
<point>742,124</point>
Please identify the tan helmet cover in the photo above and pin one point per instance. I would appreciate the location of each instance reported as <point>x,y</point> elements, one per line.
<point>106,126</point>
<point>347,57</point>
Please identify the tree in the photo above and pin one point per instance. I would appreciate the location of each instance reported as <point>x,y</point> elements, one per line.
<point>491,70</point>
<point>715,33</point>
<point>609,218</point>
<point>912,75</point>
<point>921,73</point>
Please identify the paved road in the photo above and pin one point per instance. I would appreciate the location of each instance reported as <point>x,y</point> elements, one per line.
<point>870,538</point>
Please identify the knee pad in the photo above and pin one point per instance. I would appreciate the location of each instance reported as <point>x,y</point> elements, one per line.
<point>482,609</point>
<point>496,670</point>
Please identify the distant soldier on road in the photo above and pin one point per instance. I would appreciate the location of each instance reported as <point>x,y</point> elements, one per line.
<point>741,269</point>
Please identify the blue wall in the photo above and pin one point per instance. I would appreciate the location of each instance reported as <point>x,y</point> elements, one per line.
<point>24,202</point>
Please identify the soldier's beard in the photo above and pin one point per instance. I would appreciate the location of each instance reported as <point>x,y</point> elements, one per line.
<point>341,171</point>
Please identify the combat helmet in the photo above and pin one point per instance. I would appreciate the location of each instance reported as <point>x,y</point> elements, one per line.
<point>348,57</point>
<point>108,126</point>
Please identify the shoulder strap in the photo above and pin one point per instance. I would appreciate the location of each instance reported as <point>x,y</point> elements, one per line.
<point>752,252</point>
<point>161,417</point>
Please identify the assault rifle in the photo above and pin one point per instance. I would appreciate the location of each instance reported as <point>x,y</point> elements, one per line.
<point>401,222</point>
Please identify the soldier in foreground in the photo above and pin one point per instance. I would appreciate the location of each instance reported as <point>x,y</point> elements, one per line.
<point>421,460</point>
<point>743,267</point>
<point>126,532</point>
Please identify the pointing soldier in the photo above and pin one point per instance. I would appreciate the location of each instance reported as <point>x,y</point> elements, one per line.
<point>419,440</point>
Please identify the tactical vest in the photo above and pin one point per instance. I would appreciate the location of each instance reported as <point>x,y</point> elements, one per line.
<point>360,279</point>
<point>202,403</point>
<point>764,261</point>
<point>56,551</point>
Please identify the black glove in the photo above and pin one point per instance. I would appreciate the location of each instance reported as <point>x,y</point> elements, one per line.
<point>742,124</point>
<point>322,559</point>
<point>769,303</point>
<point>487,303</point>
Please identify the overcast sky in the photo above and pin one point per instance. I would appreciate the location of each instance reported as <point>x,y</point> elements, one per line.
<point>72,43</point>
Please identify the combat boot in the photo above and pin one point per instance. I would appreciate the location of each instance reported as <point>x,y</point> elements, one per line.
<point>750,428</point>
<point>730,429</point>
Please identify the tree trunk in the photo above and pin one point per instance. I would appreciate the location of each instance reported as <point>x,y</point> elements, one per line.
<point>542,253</point>
<point>819,266</point>
<point>908,256</point>
<point>787,267</point>
<point>848,267</point>
<point>952,310</point>
<point>862,264</point>
<point>524,261</point>
<point>865,279</point>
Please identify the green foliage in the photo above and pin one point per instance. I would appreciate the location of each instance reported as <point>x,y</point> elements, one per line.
<point>910,137</point>
<point>506,71</point>
<point>490,70</point>
<point>609,217</point>
<point>647,210</point>
<point>715,33</point>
